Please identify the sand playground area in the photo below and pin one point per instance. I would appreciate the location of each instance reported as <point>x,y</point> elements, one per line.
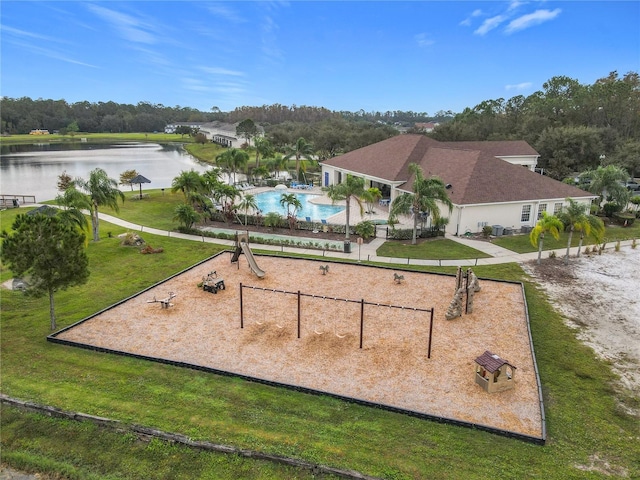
<point>391,369</point>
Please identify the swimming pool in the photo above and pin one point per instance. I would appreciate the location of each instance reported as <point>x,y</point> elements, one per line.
<point>270,202</point>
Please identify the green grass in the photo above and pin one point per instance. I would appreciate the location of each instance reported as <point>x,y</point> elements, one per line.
<point>155,211</point>
<point>521,243</point>
<point>206,152</point>
<point>584,417</point>
<point>435,249</point>
<point>96,137</point>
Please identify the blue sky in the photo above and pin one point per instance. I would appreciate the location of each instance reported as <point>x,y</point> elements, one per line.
<point>423,56</point>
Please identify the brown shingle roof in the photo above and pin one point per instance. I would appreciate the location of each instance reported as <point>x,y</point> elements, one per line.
<point>497,148</point>
<point>491,361</point>
<point>475,173</point>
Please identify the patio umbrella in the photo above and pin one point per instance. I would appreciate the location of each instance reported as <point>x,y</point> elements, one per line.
<point>139,179</point>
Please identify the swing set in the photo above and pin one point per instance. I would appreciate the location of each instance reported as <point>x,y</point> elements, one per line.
<point>318,331</point>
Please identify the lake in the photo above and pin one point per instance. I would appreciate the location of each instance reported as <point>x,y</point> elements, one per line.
<point>34,169</point>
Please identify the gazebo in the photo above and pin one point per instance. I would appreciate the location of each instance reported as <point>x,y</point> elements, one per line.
<point>493,373</point>
<point>139,179</point>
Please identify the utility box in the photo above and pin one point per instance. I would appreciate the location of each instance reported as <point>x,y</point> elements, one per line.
<point>497,230</point>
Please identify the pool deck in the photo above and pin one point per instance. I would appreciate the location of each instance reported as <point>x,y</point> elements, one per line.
<point>380,213</point>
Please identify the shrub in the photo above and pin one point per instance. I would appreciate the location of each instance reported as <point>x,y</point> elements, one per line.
<point>625,219</point>
<point>487,230</point>
<point>610,208</point>
<point>149,249</point>
<point>132,239</point>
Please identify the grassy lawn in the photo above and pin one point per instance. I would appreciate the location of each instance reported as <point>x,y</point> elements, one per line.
<point>521,243</point>
<point>156,210</point>
<point>585,420</point>
<point>433,249</point>
<point>206,152</point>
<point>97,137</point>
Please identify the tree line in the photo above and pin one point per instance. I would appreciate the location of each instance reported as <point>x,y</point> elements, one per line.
<point>21,115</point>
<point>574,127</point>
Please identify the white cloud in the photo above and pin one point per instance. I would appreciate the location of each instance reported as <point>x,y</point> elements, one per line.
<point>22,33</point>
<point>129,28</point>
<point>422,40</point>
<point>222,71</point>
<point>489,24</point>
<point>531,19</point>
<point>467,21</point>
<point>269,38</point>
<point>46,52</point>
<point>194,85</point>
<point>225,13</point>
<point>518,86</point>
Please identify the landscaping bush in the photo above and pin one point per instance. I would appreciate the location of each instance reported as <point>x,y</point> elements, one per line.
<point>624,219</point>
<point>610,208</point>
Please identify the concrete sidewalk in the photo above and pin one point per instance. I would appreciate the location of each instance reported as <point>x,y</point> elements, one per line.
<point>364,252</point>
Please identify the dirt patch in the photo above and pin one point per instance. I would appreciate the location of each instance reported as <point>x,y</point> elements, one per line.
<point>391,368</point>
<point>598,295</point>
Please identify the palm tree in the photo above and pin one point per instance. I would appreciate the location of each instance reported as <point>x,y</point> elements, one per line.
<point>102,191</point>
<point>427,192</point>
<point>186,215</point>
<point>272,219</point>
<point>73,202</point>
<point>575,217</point>
<point>210,180</point>
<point>260,172</point>
<point>547,224</point>
<point>275,164</point>
<point>292,203</point>
<point>264,149</point>
<point>187,182</point>
<point>247,203</point>
<point>300,150</point>
<point>352,188</point>
<point>371,196</point>
<point>366,229</point>
<point>608,182</point>
<point>233,160</point>
<point>226,196</point>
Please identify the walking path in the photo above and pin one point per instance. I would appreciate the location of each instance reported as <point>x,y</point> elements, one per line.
<point>364,252</point>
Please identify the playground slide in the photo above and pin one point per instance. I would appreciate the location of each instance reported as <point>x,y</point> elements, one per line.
<point>252,261</point>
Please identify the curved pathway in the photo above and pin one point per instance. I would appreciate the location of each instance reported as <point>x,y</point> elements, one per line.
<point>368,251</point>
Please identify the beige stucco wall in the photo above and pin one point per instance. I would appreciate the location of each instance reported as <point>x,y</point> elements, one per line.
<point>472,217</point>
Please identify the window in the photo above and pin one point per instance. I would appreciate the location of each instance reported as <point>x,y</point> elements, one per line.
<point>541,209</point>
<point>556,208</point>
<point>526,213</point>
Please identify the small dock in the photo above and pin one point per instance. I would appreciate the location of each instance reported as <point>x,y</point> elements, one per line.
<point>14,201</point>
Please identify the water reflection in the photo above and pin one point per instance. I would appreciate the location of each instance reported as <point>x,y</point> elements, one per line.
<point>34,169</point>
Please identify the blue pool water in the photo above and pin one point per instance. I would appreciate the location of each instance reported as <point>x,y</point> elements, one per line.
<point>270,202</point>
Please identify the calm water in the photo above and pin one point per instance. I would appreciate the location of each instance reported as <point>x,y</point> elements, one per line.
<point>34,169</point>
<point>270,202</point>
